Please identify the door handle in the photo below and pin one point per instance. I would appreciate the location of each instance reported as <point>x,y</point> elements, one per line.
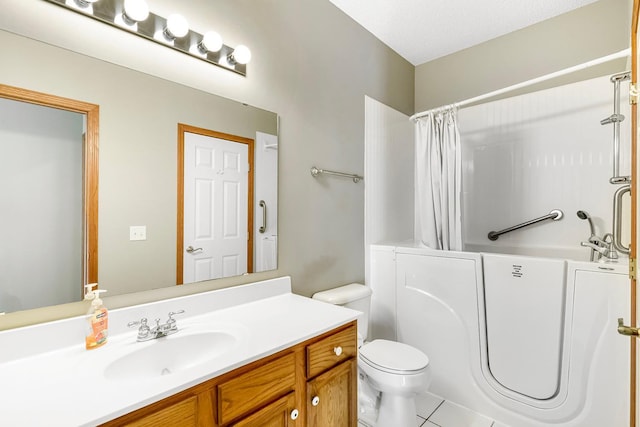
<point>191,250</point>
<point>263,228</point>
<point>627,330</point>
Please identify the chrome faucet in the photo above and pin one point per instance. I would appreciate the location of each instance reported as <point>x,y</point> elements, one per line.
<point>600,247</point>
<point>608,240</point>
<point>603,247</point>
<point>145,333</point>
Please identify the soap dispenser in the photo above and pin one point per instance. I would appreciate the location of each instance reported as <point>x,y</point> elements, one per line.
<point>97,320</point>
<point>88,291</point>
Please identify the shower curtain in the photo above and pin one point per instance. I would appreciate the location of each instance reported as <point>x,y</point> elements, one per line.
<point>438,180</point>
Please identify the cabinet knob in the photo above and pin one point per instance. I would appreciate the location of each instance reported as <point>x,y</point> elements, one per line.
<point>315,400</point>
<point>337,350</point>
<point>294,414</point>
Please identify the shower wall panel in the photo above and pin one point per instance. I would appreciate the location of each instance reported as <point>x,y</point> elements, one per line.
<point>526,155</point>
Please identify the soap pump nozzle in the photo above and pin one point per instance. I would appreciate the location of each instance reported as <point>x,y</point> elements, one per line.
<point>89,293</point>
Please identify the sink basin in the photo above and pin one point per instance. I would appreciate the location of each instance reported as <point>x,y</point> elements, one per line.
<point>169,355</point>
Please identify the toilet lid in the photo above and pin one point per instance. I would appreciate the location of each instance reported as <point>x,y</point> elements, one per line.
<point>393,356</point>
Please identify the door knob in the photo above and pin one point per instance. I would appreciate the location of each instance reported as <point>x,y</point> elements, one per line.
<point>191,250</point>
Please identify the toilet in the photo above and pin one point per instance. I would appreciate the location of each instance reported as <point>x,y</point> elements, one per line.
<point>391,374</point>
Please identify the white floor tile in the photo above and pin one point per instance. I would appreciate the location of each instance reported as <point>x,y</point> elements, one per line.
<point>429,424</point>
<point>419,422</point>
<point>451,415</point>
<point>498,424</point>
<point>427,403</point>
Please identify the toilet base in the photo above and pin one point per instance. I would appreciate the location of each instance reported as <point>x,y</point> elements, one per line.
<point>397,411</point>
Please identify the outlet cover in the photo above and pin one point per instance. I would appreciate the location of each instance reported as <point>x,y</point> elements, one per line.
<point>138,232</point>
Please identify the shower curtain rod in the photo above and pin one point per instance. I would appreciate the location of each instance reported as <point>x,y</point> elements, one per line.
<point>598,61</point>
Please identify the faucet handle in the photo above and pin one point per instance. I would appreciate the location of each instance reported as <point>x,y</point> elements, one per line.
<point>142,322</point>
<point>173,313</point>
<point>171,322</point>
<point>144,330</point>
<point>602,250</point>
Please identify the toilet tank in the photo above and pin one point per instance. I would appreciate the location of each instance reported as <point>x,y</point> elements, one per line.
<point>355,296</point>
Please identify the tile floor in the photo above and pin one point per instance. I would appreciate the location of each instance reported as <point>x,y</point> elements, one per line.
<point>434,411</point>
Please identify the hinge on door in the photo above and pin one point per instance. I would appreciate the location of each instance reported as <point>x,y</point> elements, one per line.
<point>633,94</point>
<point>632,269</point>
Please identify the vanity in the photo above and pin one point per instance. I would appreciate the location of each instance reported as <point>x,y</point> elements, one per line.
<point>252,355</point>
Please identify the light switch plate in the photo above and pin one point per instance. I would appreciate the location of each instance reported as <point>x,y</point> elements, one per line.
<point>138,232</point>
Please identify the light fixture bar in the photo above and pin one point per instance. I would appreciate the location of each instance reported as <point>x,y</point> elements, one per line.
<point>110,12</point>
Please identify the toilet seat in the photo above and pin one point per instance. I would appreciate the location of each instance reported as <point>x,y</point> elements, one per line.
<point>393,357</point>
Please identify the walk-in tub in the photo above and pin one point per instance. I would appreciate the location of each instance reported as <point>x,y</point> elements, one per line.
<point>530,341</point>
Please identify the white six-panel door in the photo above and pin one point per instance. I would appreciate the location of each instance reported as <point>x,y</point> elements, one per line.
<point>215,208</point>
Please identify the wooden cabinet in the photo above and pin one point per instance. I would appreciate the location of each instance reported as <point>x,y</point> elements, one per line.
<point>277,391</point>
<point>181,414</point>
<point>330,351</point>
<point>333,397</point>
<point>332,386</point>
<point>278,414</point>
<point>255,388</point>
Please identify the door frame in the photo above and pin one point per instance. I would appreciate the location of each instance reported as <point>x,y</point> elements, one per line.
<point>633,380</point>
<point>89,169</point>
<point>182,129</point>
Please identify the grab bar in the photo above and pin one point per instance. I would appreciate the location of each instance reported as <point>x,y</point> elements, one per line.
<point>263,205</point>
<point>315,172</point>
<point>555,215</point>
<point>617,219</point>
<point>616,118</point>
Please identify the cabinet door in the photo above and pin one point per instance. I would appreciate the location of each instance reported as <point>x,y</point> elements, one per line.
<point>181,414</point>
<point>191,408</point>
<point>278,414</point>
<point>255,388</point>
<point>332,397</point>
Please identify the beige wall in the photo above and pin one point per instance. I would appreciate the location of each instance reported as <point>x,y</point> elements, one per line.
<point>582,35</point>
<point>311,64</point>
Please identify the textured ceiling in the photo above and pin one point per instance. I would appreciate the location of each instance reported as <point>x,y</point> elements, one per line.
<point>423,30</point>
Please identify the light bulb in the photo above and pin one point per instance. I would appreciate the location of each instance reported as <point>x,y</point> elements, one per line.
<point>211,42</point>
<point>135,11</point>
<point>240,55</point>
<point>176,27</point>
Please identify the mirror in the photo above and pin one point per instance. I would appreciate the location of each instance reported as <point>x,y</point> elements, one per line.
<point>139,166</point>
<point>49,182</point>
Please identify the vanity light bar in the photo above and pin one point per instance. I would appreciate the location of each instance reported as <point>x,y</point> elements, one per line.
<point>159,30</point>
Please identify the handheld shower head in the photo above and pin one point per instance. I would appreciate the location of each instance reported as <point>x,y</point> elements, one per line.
<point>585,215</point>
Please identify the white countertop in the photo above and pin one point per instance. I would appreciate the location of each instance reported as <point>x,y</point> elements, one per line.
<point>66,386</point>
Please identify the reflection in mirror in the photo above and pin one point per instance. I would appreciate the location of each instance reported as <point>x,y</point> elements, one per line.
<point>48,182</point>
<point>225,182</point>
<point>139,117</point>
<point>215,233</point>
